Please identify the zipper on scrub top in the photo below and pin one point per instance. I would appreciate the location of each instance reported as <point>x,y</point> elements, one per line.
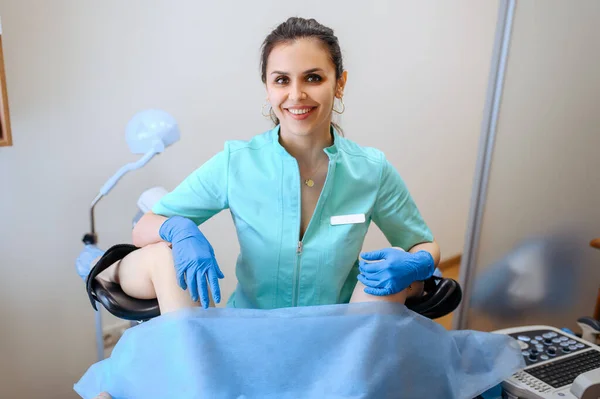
<point>297,275</point>
<point>308,228</point>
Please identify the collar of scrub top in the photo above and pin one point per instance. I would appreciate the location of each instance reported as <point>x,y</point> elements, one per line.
<point>331,151</point>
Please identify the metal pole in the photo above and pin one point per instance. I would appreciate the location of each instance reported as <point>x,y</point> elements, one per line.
<point>486,146</point>
<point>98,315</point>
<point>92,219</point>
<point>99,335</point>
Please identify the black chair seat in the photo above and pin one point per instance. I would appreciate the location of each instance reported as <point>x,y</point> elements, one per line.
<point>442,296</point>
<point>118,303</point>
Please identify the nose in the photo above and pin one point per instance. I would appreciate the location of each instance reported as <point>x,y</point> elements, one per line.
<point>296,92</point>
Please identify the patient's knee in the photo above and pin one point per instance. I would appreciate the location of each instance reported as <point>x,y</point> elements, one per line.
<point>414,290</point>
<point>159,248</point>
<point>359,295</point>
<point>160,257</point>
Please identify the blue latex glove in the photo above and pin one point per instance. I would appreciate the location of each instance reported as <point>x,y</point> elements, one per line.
<point>194,258</point>
<point>393,270</point>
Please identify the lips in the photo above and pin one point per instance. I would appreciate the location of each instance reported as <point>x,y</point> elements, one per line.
<point>300,113</point>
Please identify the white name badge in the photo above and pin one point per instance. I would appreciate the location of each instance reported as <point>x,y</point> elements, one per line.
<point>348,219</point>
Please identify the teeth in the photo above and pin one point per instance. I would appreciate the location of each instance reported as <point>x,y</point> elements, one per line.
<point>299,111</point>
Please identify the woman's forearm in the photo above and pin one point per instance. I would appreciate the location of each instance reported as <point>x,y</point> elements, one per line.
<point>146,230</point>
<point>432,247</point>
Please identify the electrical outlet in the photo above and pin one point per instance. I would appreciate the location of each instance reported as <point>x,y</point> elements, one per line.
<point>112,334</point>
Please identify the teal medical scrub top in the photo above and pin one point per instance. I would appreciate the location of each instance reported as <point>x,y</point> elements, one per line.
<point>259,182</point>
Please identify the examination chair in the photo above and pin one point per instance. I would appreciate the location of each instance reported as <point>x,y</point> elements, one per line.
<point>440,297</point>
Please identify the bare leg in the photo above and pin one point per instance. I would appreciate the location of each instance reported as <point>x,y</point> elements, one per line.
<point>359,295</point>
<point>149,273</point>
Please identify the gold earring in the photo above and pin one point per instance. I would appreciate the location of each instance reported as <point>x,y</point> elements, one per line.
<point>343,107</point>
<point>262,110</point>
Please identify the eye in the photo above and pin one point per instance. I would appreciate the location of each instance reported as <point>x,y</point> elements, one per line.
<point>313,78</point>
<point>281,80</point>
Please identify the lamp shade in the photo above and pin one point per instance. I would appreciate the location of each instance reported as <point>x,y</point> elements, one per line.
<point>148,128</point>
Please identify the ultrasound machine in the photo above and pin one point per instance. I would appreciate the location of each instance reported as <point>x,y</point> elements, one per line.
<point>559,364</point>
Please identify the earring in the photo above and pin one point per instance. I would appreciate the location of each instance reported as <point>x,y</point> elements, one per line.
<point>262,110</point>
<point>343,107</point>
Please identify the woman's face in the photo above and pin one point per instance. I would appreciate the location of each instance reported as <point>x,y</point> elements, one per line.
<point>301,86</point>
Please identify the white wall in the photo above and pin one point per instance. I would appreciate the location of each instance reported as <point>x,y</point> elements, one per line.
<point>77,71</point>
<point>543,178</point>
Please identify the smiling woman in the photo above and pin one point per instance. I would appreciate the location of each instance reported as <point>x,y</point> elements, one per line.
<point>303,72</point>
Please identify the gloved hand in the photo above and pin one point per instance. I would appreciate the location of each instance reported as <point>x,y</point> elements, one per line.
<point>194,258</point>
<point>393,270</point>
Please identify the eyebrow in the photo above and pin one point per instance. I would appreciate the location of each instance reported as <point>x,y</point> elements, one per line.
<point>305,72</point>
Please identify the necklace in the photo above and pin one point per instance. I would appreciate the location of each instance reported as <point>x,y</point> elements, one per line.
<point>309,182</point>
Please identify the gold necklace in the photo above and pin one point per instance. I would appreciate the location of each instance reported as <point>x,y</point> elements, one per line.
<point>309,182</point>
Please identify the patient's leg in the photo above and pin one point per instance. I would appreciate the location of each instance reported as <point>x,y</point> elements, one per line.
<point>359,294</point>
<point>148,273</point>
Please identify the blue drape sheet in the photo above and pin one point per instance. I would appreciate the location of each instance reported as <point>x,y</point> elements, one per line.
<point>364,350</point>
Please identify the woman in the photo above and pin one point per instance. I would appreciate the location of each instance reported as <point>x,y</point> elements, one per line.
<point>301,197</point>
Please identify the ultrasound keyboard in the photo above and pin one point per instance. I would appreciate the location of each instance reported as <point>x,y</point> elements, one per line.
<point>553,360</point>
